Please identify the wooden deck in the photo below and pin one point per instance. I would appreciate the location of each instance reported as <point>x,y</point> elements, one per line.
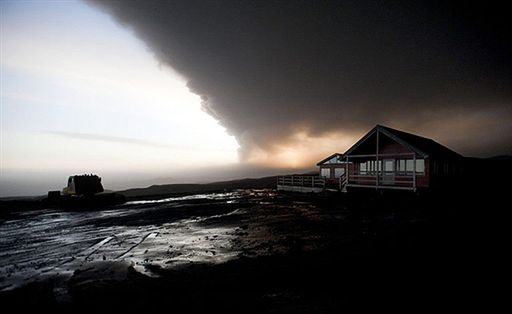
<point>317,184</point>
<point>304,184</point>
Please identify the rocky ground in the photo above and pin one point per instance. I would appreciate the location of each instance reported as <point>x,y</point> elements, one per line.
<point>251,251</point>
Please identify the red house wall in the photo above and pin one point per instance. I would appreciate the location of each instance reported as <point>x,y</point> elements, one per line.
<point>392,148</point>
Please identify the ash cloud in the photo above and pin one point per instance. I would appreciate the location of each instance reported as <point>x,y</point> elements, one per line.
<point>268,70</point>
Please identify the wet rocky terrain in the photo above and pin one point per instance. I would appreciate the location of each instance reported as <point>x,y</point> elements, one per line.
<point>255,251</point>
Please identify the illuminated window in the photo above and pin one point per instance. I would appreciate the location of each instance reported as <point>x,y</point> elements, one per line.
<point>400,166</point>
<point>338,172</point>
<point>409,165</point>
<point>388,165</point>
<point>362,168</point>
<point>325,172</point>
<point>420,165</point>
<point>371,166</point>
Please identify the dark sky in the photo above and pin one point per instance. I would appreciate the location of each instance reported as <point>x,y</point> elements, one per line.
<point>270,69</point>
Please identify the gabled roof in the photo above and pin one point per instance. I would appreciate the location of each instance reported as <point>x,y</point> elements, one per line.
<point>328,158</point>
<point>422,146</point>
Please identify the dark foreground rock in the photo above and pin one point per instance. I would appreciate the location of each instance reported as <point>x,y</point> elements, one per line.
<point>294,254</point>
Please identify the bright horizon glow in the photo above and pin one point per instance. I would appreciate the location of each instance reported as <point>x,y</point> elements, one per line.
<point>302,149</point>
<point>81,94</point>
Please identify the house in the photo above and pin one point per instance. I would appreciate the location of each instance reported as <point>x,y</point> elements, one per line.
<point>386,158</point>
<point>332,167</point>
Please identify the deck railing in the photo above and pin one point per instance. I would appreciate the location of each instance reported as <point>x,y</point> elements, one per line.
<point>382,180</point>
<point>301,181</point>
<point>343,182</point>
<point>353,180</point>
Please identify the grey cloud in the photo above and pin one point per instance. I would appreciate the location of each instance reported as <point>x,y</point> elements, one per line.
<point>267,68</point>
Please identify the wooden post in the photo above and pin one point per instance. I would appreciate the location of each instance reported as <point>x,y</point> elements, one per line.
<point>346,167</point>
<point>414,172</point>
<point>292,181</point>
<point>377,161</point>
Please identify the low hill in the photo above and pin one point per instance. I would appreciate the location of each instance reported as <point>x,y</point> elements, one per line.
<point>155,191</point>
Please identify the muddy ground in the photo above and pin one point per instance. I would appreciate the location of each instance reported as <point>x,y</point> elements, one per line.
<point>255,251</point>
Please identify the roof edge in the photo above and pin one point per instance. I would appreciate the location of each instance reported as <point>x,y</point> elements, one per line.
<point>327,158</point>
<point>385,130</point>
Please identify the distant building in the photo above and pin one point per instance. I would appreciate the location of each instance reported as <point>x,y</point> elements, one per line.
<point>86,184</point>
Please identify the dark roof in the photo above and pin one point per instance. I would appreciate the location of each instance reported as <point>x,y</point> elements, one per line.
<point>421,145</point>
<point>327,158</point>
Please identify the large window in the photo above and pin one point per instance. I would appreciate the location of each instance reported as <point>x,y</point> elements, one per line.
<point>389,166</point>
<point>420,166</point>
<point>370,167</point>
<point>406,166</point>
<point>409,165</point>
<point>363,167</point>
<point>338,172</point>
<point>325,172</point>
<point>400,166</point>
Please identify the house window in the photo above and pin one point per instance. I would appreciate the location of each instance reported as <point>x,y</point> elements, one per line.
<point>388,166</point>
<point>325,172</point>
<point>409,165</point>
<point>400,166</point>
<point>420,166</point>
<point>363,168</point>
<point>338,172</point>
<point>371,166</point>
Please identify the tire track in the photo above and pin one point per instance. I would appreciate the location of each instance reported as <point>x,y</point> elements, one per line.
<point>148,236</point>
<point>92,249</point>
